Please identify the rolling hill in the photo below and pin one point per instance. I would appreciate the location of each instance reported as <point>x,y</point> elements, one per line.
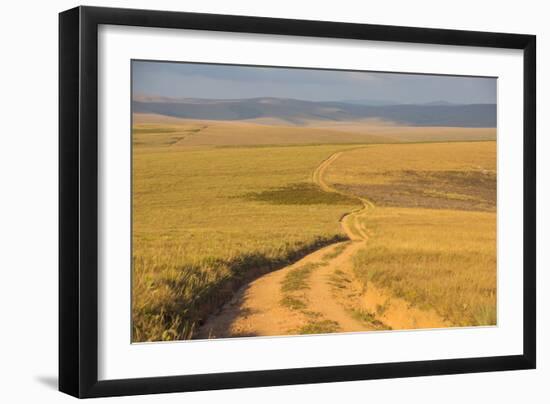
<point>299,112</point>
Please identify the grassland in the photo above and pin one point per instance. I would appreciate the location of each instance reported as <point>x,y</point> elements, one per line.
<point>432,232</point>
<point>207,220</point>
<point>397,133</point>
<point>216,205</point>
<point>187,132</point>
<point>230,134</point>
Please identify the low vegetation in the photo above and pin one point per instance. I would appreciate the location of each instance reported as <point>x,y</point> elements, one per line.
<point>212,210</point>
<point>336,251</point>
<point>368,318</point>
<point>198,234</point>
<point>300,194</point>
<point>293,302</point>
<point>447,263</point>
<point>319,327</point>
<point>238,134</point>
<point>297,278</point>
<point>458,176</point>
<point>433,242</point>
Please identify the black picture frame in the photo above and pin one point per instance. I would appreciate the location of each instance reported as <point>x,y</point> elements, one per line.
<point>78,201</point>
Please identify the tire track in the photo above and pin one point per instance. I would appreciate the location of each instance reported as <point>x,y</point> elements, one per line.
<point>256,309</point>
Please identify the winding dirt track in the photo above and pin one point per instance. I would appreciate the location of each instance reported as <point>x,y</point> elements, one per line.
<point>350,223</point>
<point>257,309</point>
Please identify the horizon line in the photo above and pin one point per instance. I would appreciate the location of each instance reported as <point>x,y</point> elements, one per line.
<point>381,102</point>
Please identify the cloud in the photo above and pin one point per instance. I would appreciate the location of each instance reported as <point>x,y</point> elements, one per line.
<point>237,81</point>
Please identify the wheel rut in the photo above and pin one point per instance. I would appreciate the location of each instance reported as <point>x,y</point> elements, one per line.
<point>327,297</point>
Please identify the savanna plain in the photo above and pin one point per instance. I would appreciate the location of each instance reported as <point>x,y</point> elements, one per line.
<point>266,229</point>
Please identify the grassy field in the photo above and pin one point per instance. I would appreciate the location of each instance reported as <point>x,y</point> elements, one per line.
<point>206,220</point>
<point>187,132</point>
<point>216,205</point>
<point>230,134</point>
<point>432,232</point>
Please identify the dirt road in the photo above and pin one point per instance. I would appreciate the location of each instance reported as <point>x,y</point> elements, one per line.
<point>319,293</point>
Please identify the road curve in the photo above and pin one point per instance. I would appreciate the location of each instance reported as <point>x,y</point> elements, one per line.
<point>257,309</point>
<point>351,224</point>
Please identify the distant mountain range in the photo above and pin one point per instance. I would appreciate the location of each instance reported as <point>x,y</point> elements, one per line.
<point>373,102</point>
<point>298,112</point>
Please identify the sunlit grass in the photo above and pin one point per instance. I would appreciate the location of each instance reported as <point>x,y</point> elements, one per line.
<point>297,278</point>
<point>207,220</point>
<point>198,235</point>
<point>438,258</point>
<point>319,327</point>
<point>335,252</point>
<point>293,302</point>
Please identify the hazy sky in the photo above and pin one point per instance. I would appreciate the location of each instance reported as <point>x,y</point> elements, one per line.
<point>189,80</point>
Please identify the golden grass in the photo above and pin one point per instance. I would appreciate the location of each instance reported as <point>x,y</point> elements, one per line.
<point>270,132</point>
<point>377,161</point>
<point>200,231</point>
<point>208,218</point>
<point>399,133</point>
<point>187,133</point>
<point>458,176</point>
<point>440,258</point>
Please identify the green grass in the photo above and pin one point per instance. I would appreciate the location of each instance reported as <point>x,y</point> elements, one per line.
<point>300,194</point>
<point>367,318</point>
<point>312,315</point>
<point>296,281</point>
<point>382,308</point>
<point>292,287</point>
<point>319,327</point>
<point>293,302</point>
<point>297,278</point>
<point>197,236</point>
<point>338,279</point>
<point>335,252</point>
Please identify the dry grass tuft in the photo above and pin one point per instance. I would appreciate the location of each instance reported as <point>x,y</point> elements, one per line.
<point>197,237</point>
<point>448,263</point>
<point>439,255</point>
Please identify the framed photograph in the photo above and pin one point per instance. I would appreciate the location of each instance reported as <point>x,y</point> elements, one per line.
<point>251,201</point>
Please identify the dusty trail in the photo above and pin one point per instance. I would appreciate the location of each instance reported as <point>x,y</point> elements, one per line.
<point>351,226</point>
<point>331,300</point>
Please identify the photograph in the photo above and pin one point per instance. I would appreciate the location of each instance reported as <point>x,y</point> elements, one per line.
<point>276,201</point>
